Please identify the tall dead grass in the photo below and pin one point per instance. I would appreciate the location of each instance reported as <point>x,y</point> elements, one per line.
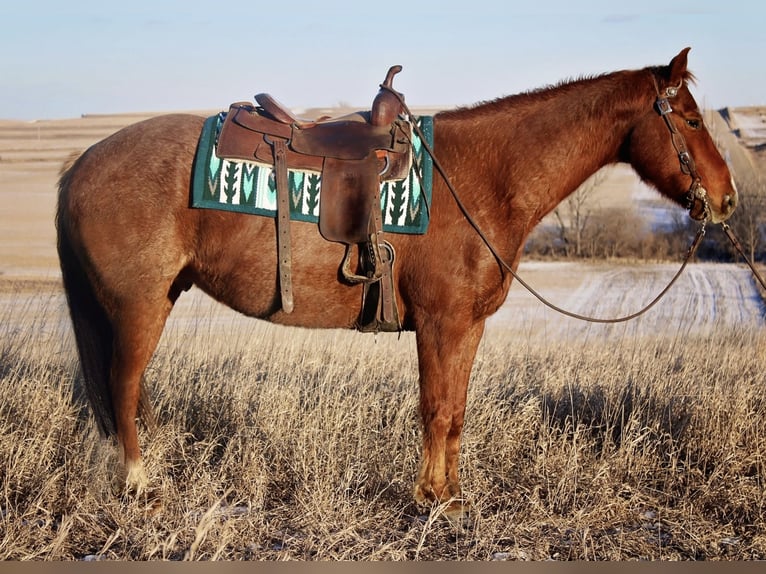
<point>287,444</point>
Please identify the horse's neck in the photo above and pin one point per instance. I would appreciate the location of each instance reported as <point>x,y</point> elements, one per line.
<point>543,145</point>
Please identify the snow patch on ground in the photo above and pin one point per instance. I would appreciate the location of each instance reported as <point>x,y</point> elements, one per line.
<point>708,296</point>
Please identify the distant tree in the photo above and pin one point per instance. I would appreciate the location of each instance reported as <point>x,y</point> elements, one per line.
<point>615,233</point>
<point>574,214</point>
<point>749,219</point>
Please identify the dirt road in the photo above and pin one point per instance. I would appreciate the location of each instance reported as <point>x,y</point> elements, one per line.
<point>706,297</point>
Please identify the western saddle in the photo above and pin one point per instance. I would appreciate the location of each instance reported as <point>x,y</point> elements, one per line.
<point>353,153</point>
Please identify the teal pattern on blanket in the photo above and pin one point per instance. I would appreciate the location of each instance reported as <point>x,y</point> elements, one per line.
<point>249,187</point>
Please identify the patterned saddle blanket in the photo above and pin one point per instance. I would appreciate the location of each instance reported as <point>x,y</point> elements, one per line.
<point>250,186</point>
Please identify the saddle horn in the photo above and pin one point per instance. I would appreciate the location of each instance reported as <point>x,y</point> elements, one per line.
<point>386,106</point>
<point>392,71</point>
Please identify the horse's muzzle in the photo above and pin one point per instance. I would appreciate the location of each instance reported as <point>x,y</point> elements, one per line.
<point>728,205</point>
<point>724,211</point>
<point>702,208</point>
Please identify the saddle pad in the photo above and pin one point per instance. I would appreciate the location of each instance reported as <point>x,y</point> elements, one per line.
<point>250,187</point>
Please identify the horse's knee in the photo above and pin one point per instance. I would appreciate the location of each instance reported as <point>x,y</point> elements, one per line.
<point>436,425</point>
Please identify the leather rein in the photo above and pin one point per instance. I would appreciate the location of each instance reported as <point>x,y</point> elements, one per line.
<point>696,193</point>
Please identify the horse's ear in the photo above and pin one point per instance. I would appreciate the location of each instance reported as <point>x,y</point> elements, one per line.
<point>677,72</point>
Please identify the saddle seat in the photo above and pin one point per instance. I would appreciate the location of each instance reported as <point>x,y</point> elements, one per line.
<point>353,153</point>
<point>385,108</point>
<point>281,113</point>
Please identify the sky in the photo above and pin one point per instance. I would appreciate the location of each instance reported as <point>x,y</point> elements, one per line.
<point>65,59</point>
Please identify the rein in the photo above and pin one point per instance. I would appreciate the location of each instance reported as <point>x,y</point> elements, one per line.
<point>738,246</point>
<point>696,193</point>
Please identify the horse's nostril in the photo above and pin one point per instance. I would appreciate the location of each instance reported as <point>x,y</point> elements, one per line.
<point>729,203</point>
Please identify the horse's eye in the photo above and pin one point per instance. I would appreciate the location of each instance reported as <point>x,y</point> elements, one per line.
<point>694,124</point>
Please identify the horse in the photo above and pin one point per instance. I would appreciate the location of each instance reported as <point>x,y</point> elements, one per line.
<point>129,243</point>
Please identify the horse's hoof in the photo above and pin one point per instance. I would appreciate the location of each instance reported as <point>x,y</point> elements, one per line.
<point>132,486</point>
<point>153,505</point>
<point>458,513</point>
<point>148,500</point>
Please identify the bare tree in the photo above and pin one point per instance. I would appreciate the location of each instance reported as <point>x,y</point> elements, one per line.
<point>749,219</point>
<point>574,214</point>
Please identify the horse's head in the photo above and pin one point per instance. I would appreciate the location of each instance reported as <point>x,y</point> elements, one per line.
<point>671,148</point>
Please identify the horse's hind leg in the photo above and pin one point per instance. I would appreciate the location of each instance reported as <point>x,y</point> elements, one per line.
<point>137,330</point>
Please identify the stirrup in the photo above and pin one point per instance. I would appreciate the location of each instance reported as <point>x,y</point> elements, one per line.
<point>379,311</point>
<point>374,256</point>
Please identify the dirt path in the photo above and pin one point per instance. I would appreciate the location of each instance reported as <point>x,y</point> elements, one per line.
<point>706,297</point>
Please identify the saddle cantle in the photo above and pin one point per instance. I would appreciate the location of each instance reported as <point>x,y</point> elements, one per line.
<point>353,153</point>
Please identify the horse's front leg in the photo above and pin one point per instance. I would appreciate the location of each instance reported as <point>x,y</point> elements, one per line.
<point>446,351</point>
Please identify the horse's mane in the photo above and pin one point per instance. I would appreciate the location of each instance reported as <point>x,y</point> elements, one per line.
<point>600,83</point>
<point>522,99</point>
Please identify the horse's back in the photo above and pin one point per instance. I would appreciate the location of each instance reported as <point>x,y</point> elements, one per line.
<point>155,149</point>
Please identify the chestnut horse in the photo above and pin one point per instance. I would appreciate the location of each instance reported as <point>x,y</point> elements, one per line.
<point>129,243</point>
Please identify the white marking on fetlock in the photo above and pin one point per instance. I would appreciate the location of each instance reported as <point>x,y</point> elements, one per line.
<point>135,477</point>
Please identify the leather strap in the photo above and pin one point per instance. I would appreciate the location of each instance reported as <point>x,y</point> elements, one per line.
<point>389,313</point>
<point>379,311</point>
<point>284,250</point>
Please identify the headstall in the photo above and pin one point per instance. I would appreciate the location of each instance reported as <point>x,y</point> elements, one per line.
<point>696,193</point>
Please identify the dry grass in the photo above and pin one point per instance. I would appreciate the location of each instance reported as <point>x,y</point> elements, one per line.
<point>288,444</point>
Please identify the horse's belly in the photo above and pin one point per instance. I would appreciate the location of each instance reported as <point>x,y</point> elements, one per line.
<point>240,270</point>
<point>316,305</point>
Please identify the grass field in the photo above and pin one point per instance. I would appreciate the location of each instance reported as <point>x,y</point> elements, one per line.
<point>278,443</point>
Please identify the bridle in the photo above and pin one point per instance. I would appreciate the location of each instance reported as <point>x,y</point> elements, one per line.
<point>697,193</point>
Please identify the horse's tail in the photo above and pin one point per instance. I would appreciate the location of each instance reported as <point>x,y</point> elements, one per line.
<point>92,329</point>
<point>67,166</point>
